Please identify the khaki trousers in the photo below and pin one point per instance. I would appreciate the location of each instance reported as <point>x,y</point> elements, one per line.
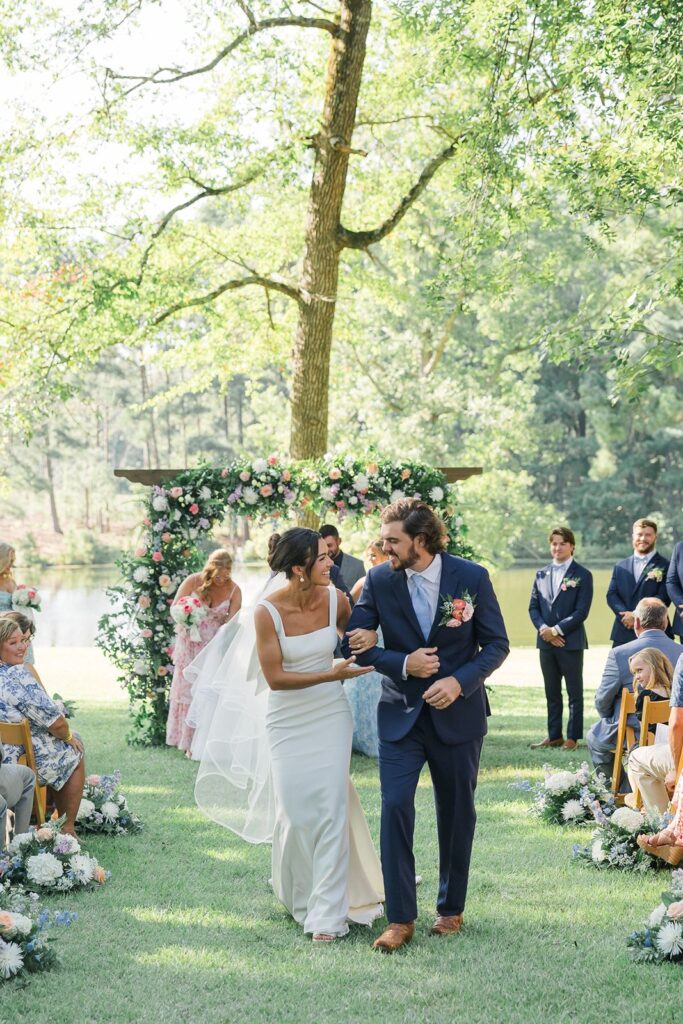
<point>647,769</point>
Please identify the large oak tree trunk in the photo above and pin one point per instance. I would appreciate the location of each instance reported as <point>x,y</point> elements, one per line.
<point>318,283</point>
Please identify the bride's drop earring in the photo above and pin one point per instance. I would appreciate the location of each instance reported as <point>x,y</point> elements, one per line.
<point>301,579</point>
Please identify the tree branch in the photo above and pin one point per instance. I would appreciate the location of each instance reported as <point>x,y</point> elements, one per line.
<point>165,76</point>
<point>362,239</point>
<point>268,283</point>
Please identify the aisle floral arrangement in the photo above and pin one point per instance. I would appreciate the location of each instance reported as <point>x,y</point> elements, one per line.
<point>614,840</point>
<point>25,948</point>
<point>661,940</point>
<point>138,636</point>
<point>45,859</point>
<point>570,797</point>
<point>104,810</point>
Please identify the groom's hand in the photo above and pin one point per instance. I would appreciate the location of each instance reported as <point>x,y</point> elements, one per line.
<point>443,692</point>
<point>423,662</point>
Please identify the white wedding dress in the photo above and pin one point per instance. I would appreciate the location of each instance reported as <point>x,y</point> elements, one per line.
<point>325,868</point>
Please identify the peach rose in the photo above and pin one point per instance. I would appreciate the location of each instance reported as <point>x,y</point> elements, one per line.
<point>100,875</point>
<point>405,474</point>
<point>675,910</point>
<point>224,473</point>
<point>162,670</point>
<point>147,521</point>
<point>266,490</point>
<point>164,580</point>
<point>146,633</point>
<point>166,537</point>
<point>286,476</point>
<point>144,601</point>
<point>6,922</point>
<point>245,475</point>
<point>176,492</point>
<point>335,473</point>
<point>140,551</point>
<point>372,469</point>
<point>43,834</point>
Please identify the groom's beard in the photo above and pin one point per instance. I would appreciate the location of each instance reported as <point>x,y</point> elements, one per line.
<point>405,563</point>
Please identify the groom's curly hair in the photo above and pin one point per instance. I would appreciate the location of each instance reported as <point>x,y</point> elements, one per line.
<point>418,520</point>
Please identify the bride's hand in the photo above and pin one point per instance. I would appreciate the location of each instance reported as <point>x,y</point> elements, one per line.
<point>361,640</point>
<point>349,670</point>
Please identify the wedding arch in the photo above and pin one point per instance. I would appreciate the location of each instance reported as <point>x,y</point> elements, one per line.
<point>181,511</point>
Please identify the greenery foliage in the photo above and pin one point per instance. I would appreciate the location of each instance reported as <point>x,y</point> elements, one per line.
<point>138,635</point>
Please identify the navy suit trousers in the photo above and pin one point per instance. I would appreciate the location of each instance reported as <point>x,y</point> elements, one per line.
<point>453,768</point>
<point>556,663</point>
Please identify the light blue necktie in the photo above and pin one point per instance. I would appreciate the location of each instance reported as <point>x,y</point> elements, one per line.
<point>421,605</point>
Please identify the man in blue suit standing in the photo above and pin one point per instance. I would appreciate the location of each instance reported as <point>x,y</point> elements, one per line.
<point>674,586</point>
<point>642,574</point>
<point>560,601</point>
<point>443,636</point>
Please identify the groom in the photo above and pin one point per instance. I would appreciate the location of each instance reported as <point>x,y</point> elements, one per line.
<point>443,635</point>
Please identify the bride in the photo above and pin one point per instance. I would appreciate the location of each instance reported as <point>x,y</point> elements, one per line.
<point>277,757</point>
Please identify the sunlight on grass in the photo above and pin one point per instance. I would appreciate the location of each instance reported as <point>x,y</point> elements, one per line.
<point>232,855</point>
<point>190,916</point>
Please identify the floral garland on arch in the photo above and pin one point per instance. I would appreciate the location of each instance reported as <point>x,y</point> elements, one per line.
<point>138,636</point>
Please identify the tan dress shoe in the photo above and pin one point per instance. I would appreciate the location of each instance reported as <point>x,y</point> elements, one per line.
<point>570,745</point>
<point>446,925</point>
<point>546,743</point>
<point>394,936</point>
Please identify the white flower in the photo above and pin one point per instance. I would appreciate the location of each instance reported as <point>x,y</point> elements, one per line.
<point>626,817</point>
<point>353,500</point>
<point>141,574</point>
<point>259,465</point>
<point>361,482</point>
<point>110,810</point>
<point>85,809</point>
<point>327,494</point>
<point>597,853</point>
<point>11,959</point>
<point>66,844</point>
<point>159,503</point>
<point>204,493</point>
<point>669,939</point>
<point>249,495</point>
<point>573,809</point>
<point>436,494</point>
<point>560,782</point>
<point>83,867</point>
<point>140,667</point>
<point>44,869</point>
<point>177,515</point>
<point>20,925</point>
<point>657,916</point>
<point>396,495</point>
<point>21,840</point>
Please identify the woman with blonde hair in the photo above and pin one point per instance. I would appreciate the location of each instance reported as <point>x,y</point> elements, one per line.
<point>221,599</point>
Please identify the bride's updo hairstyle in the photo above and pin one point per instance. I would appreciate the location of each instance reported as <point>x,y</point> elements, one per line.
<point>297,546</point>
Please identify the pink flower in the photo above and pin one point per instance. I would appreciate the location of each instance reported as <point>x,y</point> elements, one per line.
<point>286,475</point>
<point>340,504</point>
<point>224,473</point>
<point>157,556</point>
<point>272,460</point>
<point>675,910</point>
<point>194,509</point>
<point>32,593</point>
<point>146,633</point>
<point>467,612</point>
<point>245,475</point>
<point>162,670</point>
<point>196,602</point>
<point>147,521</point>
<point>93,780</point>
<point>335,473</point>
<point>144,601</point>
<point>453,623</point>
<point>166,537</point>
<point>176,492</point>
<point>169,650</point>
<point>164,580</point>
<point>43,834</point>
<point>266,491</point>
<point>140,551</point>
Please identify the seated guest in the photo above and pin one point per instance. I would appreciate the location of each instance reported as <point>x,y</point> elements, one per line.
<point>58,752</point>
<point>642,574</point>
<point>653,769</point>
<point>351,568</point>
<point>17,783</point>
<point>650,621</point>
<point>374,554</point>
<point>674,586</point>
<point>668,844</point>
<point>28,629</point>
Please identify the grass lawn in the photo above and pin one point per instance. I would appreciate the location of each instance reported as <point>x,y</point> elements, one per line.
<point>188,931</point>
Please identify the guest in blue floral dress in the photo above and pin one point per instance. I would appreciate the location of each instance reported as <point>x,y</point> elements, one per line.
<point>364,693</point>
<point>59,754</point>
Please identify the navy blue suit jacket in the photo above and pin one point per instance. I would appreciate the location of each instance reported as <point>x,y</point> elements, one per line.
<point>470,652</point>
<point>674,586</point>
<point>569,610</point>
<point>624,593</point>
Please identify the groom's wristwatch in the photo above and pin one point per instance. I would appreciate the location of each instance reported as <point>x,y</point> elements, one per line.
<point>554,630</point>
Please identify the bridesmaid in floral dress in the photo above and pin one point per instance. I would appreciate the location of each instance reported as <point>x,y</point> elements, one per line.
<point>222,599</point>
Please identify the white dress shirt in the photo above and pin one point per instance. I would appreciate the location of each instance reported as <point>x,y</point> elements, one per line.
<point>558,571</point>
<point>639,563</point>
<point>431,577</point>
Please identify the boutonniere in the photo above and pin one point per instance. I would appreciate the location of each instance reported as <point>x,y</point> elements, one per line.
<point>570,582</point>
<point>656,574</point>
<point>456,610</point>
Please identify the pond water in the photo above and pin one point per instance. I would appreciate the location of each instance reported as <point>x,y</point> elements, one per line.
<point>74,600</point>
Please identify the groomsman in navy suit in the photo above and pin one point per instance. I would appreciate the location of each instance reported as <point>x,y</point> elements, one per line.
<point>642,574</point>
<point>443,636</point>
<point>560,601</point>
<point>674,586</point>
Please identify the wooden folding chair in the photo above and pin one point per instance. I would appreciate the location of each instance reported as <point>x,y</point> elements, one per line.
<point>625,734</point>
<point>655,712</point>
<point>18,734</point>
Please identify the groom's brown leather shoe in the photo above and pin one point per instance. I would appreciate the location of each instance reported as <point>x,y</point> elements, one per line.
<point>446,925</point>
<point>394,936</point>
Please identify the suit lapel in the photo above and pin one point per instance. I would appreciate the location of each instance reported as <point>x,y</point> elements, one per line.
<point>641,578</point>
<point>399,582</point>
<point>448,584</point>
